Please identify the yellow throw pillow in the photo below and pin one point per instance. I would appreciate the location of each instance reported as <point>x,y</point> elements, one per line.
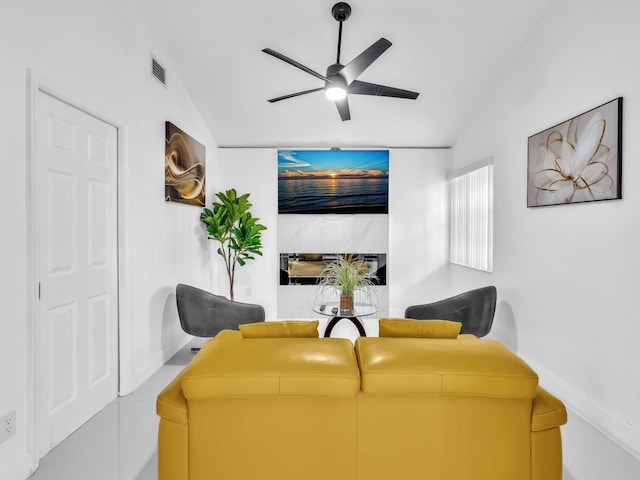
<point>285,329</point>
<point>407,327</point>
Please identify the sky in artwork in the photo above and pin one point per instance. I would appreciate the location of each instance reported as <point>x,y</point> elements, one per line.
<point>333,164</point>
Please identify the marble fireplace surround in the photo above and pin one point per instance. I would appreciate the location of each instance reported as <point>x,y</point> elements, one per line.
<point>332,234</point>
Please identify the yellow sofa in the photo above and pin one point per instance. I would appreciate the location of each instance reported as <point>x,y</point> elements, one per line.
<point>390,408</point>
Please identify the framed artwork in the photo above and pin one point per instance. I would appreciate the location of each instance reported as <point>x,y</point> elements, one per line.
<point>184,167</point>
<point>333,181</point>
<point>579,160</point>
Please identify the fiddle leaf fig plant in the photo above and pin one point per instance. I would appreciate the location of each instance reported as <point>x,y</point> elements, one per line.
<point>230,223</point>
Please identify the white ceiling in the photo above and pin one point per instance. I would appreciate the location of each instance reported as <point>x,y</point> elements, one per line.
<point>452,52</point>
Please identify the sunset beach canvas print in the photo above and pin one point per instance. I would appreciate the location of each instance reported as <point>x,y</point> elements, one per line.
<point>333,181</point>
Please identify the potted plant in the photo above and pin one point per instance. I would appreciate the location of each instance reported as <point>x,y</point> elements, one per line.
<point>348,276</point>
<point>230,223</point>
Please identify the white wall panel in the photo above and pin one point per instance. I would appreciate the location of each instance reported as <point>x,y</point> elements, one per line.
<point>567,275</point>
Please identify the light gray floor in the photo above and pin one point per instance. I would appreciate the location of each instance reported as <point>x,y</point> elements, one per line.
<point>120,442</point>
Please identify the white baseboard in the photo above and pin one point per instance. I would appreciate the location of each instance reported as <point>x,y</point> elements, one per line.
<point>591,411</point>
<point>151,366</point>
<point>20,470</point>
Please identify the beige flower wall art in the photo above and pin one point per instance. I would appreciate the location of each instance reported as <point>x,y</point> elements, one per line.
<point>184,167</point>
<point>579,160</point>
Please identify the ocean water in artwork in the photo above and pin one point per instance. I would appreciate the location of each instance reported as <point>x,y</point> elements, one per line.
<point>330,181</point>
<point>333,195</point>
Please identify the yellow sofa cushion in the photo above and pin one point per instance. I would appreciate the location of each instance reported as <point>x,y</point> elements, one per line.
<point>287,328</point>
<point>321,367</point>
<point>403,327</point>
<point>414,366</point>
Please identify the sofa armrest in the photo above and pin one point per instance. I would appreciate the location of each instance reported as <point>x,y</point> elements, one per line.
<point>467,336</point>
<point>173,433</point>
<point>227,335</point>
<point>171,403</point>
<point>548,411</point>
<point>547,414</point>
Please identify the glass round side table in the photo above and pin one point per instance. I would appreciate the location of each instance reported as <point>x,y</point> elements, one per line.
<point>332,309</point>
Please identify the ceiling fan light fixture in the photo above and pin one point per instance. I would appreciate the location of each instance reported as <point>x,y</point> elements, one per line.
<point>342,80</point>
<point>335,93</point>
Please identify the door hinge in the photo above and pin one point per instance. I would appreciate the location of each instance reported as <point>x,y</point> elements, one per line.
<point>39,291</point>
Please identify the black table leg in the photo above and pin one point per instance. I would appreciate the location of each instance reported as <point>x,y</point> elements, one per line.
<point>355,320</point>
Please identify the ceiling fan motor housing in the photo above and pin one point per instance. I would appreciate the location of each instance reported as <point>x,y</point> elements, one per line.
<point>333,70</point>
<point>341,11</point>
<point>335,79</point>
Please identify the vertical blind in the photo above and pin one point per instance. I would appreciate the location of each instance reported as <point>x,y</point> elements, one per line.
<point>471,216</point>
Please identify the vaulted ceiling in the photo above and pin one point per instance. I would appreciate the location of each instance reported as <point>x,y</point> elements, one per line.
<point>450,51</point>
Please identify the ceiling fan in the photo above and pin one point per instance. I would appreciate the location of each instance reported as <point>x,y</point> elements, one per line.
<point>341,80</point>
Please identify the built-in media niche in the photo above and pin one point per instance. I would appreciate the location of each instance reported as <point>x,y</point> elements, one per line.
<point>307,268</point>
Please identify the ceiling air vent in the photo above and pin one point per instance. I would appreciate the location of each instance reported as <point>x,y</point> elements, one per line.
<point>158,71</point>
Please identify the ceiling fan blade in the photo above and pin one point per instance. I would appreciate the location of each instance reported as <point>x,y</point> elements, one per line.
<point>295,64</point>
<point>355,67</point>
<point>343,108</point>
<point>364,88</point>
<point>291,95</point>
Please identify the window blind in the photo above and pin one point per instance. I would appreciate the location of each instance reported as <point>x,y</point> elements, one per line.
<point>471,216</point>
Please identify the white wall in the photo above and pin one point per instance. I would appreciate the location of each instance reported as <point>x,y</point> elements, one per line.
<point>97,55</point>
<point>418,228</point>
<point>253,171</point>
<point>567,275</point>
<point>416,237</point>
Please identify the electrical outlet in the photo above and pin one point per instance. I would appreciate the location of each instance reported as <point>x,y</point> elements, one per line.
<point>7,426</point>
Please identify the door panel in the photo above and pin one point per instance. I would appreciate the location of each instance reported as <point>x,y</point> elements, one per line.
<point>76,234</point>
<point>61,189</point>
<point>98,332</point>
<point>61,356</point>
<point>98,225</point>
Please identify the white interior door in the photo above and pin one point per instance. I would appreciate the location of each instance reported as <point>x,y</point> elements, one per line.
<point>76,238</point>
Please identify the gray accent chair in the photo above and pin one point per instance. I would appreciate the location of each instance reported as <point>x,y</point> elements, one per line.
<point>204,314</point>
<point>474,309</point>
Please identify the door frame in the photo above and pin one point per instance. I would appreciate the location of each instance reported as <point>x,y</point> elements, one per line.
<point>36,82</point>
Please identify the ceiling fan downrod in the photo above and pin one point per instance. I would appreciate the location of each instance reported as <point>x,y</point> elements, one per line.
<point>340,12</point>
